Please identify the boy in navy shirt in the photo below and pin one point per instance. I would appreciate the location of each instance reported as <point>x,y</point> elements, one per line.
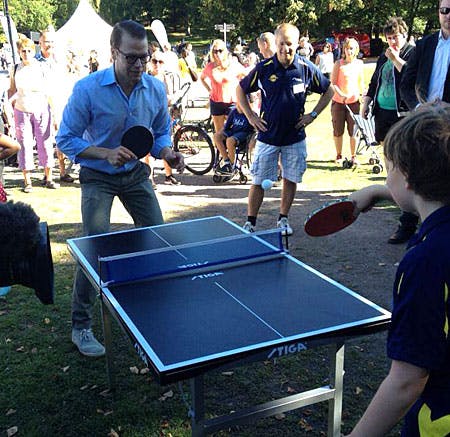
<point>236,131</point>
<point>417,154</point>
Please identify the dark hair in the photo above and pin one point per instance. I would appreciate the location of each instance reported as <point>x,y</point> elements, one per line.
<point>132,28</point>
<point>395,25</point>
<point>419,146</point>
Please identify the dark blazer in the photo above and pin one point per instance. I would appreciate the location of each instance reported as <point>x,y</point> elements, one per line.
<point>416,77</point>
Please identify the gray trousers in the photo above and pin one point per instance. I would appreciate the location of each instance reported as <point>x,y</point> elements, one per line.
<point>98,190</point>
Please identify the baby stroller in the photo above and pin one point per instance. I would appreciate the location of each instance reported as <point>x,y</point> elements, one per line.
<point>242,161</point>
<point>364,132</point>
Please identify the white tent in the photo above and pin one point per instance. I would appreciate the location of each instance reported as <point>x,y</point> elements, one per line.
<point>85,31</point>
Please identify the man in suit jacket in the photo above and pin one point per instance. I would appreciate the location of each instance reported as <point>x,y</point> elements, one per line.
<point>426,77</point>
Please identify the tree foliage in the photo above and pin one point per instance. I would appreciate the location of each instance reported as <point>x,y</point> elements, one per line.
<point>251,17</point>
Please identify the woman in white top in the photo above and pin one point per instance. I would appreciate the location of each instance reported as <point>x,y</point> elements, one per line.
<point>325,60</point>
<point>32,114</point>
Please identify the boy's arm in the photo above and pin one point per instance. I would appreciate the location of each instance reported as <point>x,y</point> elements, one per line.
<point>395,396</point>
<point>367,197</point>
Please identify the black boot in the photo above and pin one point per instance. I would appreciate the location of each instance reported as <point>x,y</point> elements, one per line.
<point>406,228</point>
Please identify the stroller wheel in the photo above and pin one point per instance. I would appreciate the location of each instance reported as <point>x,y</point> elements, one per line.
<point>217,179</point>
<point>377,168</point>
<point>243,179</point>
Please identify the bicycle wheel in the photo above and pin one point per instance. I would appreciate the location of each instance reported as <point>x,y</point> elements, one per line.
<point>197,148</point>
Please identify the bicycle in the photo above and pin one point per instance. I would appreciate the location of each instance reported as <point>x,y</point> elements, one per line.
<point>191,140</point>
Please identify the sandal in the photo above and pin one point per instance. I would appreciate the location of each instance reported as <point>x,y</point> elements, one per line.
<point>28,188</point>
<point>52,185</point>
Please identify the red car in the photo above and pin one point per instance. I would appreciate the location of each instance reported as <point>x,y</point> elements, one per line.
<point>362,38</point>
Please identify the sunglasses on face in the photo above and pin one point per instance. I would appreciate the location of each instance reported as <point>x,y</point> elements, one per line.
<point>444,10</point>
<point>26,50</point>
<point>216,51</point>
<point>131,59</point>
<point>156,61</point>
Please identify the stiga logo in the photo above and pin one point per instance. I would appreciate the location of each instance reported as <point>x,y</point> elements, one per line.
<point>287,349</point>
<point>206,276</point>
<point>190,266</point>
<point>141,353</point>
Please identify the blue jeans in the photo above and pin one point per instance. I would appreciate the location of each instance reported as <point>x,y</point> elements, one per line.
<point>98,190</point>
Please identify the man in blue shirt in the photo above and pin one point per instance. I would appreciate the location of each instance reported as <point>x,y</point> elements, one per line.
<point>102,107</point>
<point>284,80</point>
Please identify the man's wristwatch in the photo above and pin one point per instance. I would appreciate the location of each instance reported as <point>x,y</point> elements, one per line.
<point>314,114</point>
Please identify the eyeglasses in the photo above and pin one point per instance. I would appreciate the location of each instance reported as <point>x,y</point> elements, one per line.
<point>156,61</point>
<point>131,59</point>
<point>26,50</point>
<point>215,51</point>
<point>444,10</point>
<point>394,37</point>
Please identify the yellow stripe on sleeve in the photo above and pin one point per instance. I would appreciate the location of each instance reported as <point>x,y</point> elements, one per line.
<point>254,79</point>
<point>400,283</point>
<point>432,428</point>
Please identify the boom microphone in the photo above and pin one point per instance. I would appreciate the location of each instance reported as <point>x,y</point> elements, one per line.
<point>25,253</point>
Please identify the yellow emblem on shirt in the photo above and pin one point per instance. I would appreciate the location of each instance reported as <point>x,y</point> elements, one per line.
<point>273,77</point>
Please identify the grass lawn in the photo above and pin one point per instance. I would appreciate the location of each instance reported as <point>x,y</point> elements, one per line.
<point>48,389</point>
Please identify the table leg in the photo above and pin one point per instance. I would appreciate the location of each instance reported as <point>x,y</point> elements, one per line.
<point>336,382</point>
<point>198,406</point>
<point>107,334</point>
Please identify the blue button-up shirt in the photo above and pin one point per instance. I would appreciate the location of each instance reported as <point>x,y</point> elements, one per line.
<point>283,95</point>
<point>98,113</point>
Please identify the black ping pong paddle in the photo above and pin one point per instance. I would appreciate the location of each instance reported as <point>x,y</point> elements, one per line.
<point>330,218</point>
<point>139,140</point>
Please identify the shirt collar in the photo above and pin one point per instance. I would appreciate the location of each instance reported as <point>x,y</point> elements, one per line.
<point>441,37</point>
<point>438,217</point>
<point>295,63</point>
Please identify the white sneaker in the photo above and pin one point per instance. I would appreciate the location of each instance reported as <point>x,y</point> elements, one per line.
<point>86,343</point>
<point>249,227</point>
<point>284,225</point>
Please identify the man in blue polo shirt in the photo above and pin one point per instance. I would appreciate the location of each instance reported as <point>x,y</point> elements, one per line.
<point>283,80</point>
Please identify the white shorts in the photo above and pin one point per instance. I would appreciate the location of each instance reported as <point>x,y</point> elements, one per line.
<point>265,162</point>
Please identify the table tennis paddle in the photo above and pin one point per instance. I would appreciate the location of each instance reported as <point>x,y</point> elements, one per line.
<point>139,140</point>
<point>330,218</point>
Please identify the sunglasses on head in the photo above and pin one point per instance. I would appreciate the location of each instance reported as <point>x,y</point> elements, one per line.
<point>444,10</point>
<point>217,51</point>
<point>156,61</point>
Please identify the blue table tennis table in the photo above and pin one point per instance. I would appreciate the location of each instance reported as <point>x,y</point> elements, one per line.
<point>204,294</point>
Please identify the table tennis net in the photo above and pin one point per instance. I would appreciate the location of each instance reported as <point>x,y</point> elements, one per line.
<point>185,258</point>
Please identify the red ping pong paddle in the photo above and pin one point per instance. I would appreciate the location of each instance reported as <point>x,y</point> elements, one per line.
<point>139,140</point>
<point>330,218</point>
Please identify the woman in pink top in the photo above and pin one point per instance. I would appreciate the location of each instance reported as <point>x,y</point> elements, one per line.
<point>221,77</point>
<point>348,81</point>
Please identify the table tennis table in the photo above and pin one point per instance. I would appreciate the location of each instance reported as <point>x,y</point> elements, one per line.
<point>205,294</point>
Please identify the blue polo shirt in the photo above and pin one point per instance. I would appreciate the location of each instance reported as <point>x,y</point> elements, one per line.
<point>237,122</point>
<point>283,96</point>
<point>419,333</point>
